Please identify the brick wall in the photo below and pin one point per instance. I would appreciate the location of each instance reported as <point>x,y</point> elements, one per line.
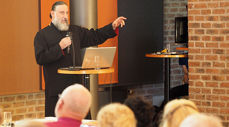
<point>209,56</point>
<point>24,105</point>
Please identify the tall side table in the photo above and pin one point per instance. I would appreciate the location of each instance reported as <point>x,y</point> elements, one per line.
<point>90,81</point>
<point>167,58</point>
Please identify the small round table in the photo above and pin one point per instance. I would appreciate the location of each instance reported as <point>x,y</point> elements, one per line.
<point>167,58</point>
<point>90,81</point>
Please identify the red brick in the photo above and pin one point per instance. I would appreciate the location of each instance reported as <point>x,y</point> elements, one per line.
<point>191,70</point>
<point>224,98</point>
<point>205,12</point>
<point>9,98</point>
<point>218,11</point>
<point>212,18</point>
<point>194,64</point>
<point>218,104</point>
<point>218,38</point>
<point>206,103</point>
<point>200,70</point>
<point>212,110</point>
<point>18,104</point>
<point>199,44</point>
<point>199,18</point>
<point>206,38</point>
<point>224,31</point>
<point>194,77</point>
<point>218,78</point>
<point>20,110</point>
<point>213,5</point>
<point>224,45</point>
<point>211,57</point>
<point>205,25</point>
<point>224,4</point>
<point>219,64</point>
<point>199,84</point>
<point>17,117</point>
<point>190,57</point>
<point>222,58</point>
<point>218,51</point>
<point>224,18</point>
<point>218,91</point>
<point>194,25</point>
<point>192,12</point>
<point>212,45</point>
<point>205,77</point>
<point>218,25</point>
<point>224,111</point>
<point>200,97</point>
<point>205,51</point>
<point>199,57</point>
<point>212,31</point>
<point>199,31</point>
<point>224,85</point>
<point>206,90</point>
<point>200,5</point>
<point>190,50</point>
<point>190,44</point>
<point>190,18</point>
<point>21,98</point>
<point>194,90</point>
<point>212,84</point>
<point>40,108</point>
<point>224,71</point>
<point>202,109</point>
<point>206,64</point>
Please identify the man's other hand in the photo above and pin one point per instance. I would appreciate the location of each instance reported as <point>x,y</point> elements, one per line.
<point>119,21</point>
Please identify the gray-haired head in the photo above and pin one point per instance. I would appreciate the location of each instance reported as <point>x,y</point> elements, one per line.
<point>56,4</point>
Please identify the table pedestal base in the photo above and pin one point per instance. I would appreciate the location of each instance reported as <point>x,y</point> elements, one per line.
<point>90,81</point>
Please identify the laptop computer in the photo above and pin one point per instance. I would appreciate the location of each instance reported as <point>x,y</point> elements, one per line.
<point>93,57</point>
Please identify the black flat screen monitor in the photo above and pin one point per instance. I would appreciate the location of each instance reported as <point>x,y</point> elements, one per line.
<point>181,30</point>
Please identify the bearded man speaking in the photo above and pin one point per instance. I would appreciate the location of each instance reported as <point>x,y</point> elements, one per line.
<point>53,50</point>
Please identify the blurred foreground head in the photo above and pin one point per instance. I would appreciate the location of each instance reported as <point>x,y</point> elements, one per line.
<point>201,120</point>
<point>176,111</point>
<point>116,115</point>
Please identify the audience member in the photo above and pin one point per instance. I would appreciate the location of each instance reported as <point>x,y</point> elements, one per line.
<point>201,120</point>
<point>29,123</point>
<point>143,110</point>
<point>72,106</point>
<point>176,111</point>
<point>116,115</point>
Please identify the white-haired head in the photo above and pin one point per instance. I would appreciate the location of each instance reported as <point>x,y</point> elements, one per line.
<point>74,102</point>
<point>201,120</point>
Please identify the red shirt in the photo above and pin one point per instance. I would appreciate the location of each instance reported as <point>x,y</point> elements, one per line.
<point>64,122</point>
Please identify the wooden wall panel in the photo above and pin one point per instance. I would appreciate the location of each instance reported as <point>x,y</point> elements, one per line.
<point>19,24</point>
<point>107,13</point>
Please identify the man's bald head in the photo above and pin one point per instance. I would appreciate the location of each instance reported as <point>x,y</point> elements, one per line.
<point>74,102</point>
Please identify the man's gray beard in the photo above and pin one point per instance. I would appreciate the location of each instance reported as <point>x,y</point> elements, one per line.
<point>60,26</point>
